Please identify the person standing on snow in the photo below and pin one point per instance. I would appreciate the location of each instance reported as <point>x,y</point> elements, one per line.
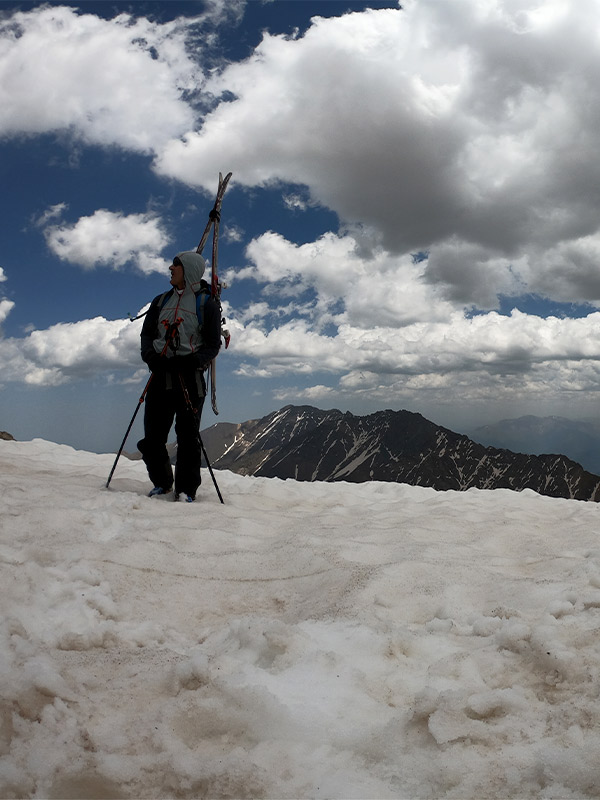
<point>177,350</point>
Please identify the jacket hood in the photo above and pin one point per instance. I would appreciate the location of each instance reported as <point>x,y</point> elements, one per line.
<point>193,268</point>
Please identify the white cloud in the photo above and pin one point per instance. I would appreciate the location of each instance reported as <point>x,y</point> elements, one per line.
<point>465,128</point>
<point>110,238</point>
<point>119,81</point>
<point>231,233</point>
<point>6,307</point>
<point>379,330</point>
<point>68,351</point>
<point>224,12</point>
<point>52,213</point>
<point>487,360</point>
<point>487,343</point>
<point>368,291</point>
<point>295,202</point>
<point>457,362</point>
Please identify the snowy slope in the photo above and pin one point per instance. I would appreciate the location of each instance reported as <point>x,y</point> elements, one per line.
<point>302,640</point>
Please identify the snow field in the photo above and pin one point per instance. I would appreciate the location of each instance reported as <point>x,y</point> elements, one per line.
<point>302,640</point>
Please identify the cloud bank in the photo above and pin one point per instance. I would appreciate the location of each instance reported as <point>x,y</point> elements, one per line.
<point>340,330</point>
<point>394,337</point>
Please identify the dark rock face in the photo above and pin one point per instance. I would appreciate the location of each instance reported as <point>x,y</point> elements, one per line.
<point>308,444</point>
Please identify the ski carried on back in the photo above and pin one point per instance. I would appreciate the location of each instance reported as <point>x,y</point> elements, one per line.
<point>214,219</point>
<point>215,214</point>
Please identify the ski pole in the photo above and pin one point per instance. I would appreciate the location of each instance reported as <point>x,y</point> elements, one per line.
<point>193,411</point>
<point>210,469</point>
<point>170,333</point>
<point>137,408</point>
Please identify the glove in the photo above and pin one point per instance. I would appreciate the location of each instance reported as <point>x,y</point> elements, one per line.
<point>157,363</point>
<point>200,361</point>
<point>182,364</point>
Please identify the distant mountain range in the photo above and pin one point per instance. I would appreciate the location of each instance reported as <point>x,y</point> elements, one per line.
<point>308,444</point>
<point>575,439</point>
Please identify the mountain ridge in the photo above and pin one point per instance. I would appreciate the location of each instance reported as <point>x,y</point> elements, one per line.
<point>579,440</point>
<point>307,444</point>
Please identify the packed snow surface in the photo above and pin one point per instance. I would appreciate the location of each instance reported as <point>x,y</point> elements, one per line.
<point>300,641</point>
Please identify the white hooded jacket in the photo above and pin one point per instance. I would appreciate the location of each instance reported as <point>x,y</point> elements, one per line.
<point>181,305</point>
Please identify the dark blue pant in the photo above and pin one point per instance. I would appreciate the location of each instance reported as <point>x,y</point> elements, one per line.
<point>165,402</point>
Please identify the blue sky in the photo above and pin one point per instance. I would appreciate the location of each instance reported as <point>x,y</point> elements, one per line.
<point>413,219</point>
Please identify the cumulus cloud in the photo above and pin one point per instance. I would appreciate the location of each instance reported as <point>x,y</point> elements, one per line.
<point>6,307</point>
<point>295,202</point>
<point>467,129</point>
<point>378,329</point>
<point>232,233</point>
<point>493,343</point>
<point>108,238</point>
<point>68,351</point>
<point>224,12</point>
<point>122,81</point>
<point>378,290</point>
<point>487,358</point>
<point>52,213</point>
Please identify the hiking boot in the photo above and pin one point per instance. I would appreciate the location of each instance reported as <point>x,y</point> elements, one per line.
<point>158,490</point>
<point>182,497</point>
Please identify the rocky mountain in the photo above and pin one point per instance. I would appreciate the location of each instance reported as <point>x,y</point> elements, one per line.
<point>577,439</point>
<point>308,444</point>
